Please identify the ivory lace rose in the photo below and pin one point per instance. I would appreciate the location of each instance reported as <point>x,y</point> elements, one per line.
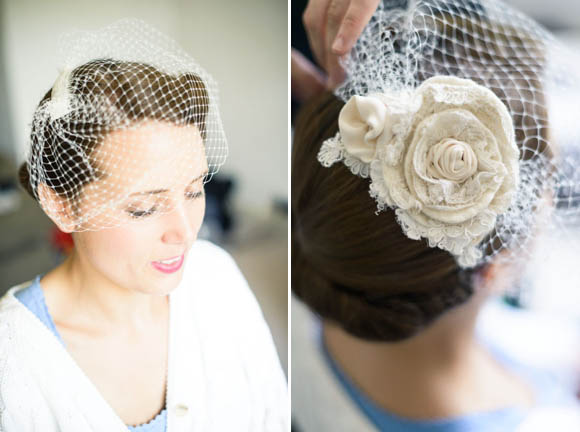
<point>447,165</point>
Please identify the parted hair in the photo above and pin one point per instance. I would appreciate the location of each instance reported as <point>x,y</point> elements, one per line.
<point>140,91</point>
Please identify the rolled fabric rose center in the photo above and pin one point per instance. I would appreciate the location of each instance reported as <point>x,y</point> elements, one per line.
<point>451,159</point>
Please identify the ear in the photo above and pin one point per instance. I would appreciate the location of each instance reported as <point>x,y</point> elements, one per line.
<point>56,207</point>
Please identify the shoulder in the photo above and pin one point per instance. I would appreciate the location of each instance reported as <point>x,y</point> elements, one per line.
<point>217,295</point>
<point>7,298</point>
<point>237,344</point>
<point>207,259</point>
<point>11,313</point>
<point>208,251</point>
<point>213,277</point>
<point>17,387</point>
<point>223,302</point>
<point>16,324</point>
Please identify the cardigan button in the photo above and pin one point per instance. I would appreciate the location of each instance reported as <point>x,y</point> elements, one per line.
<point>180,410</point>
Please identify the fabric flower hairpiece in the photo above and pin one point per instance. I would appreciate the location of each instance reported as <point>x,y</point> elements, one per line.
<point>443,156</point>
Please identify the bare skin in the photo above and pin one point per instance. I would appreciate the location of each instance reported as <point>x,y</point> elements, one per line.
<point>442,372</point>
<point>118,339</point>
<point>333,26</point>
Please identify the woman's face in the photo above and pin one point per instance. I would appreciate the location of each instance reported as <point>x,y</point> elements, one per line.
<point>160,176</point>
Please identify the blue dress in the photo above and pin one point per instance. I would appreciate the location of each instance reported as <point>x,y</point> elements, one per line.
<point>33,298</point>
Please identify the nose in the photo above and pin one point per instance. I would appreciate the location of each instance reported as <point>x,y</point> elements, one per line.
<point>178,227</point>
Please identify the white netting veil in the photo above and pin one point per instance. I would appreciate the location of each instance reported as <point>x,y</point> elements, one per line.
<point>464,116</point>
<point>130,129</point>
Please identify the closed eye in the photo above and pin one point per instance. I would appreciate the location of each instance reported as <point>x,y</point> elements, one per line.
<point>137,214</point>
<point>142,213</point>
<point>194,195</point>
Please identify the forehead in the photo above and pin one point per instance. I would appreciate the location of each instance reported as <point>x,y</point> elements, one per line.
<point>153,153</point>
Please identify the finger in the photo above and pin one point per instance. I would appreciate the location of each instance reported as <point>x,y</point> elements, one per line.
<point>314,19</point>
<point>334,17</point>
<point>306,80</point>
<point>336,73</point>
<point>356,18</point>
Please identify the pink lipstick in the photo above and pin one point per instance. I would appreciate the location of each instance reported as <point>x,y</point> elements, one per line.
<point>170,265</point>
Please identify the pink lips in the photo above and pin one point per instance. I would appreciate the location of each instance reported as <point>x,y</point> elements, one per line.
<point>168,268</point>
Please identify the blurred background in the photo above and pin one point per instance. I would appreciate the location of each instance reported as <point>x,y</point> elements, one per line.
<point>550,288</point>
<point>243,45</point>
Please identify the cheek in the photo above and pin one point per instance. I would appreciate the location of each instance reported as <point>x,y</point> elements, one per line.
<point>195,212</point>
<point>150,234</point>
<point>198,213</point>
<point>114,248</point>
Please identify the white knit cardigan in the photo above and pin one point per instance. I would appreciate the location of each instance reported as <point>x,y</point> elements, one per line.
<point>223,370</point>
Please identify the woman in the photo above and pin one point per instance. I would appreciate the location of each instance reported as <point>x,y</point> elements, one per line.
<point>416,195</point>
<point>142,327</point>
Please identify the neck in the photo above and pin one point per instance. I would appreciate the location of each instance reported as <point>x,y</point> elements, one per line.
<point>441,372</point>
<point>84,295</point>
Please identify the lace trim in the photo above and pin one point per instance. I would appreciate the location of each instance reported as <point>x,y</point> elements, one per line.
<point>332,151</point>
<point>149,426</point>
<point>462,241</point>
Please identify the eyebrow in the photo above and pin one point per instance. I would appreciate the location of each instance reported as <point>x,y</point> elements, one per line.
<point>157,191</point>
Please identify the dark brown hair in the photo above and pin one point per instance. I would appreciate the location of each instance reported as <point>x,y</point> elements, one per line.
<point>139,91</point>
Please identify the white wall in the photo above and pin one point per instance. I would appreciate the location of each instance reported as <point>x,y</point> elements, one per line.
<point>563,13</point>
<point>243,44</point>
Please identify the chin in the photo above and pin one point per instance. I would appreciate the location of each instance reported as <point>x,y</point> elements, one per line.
<point>166,284</point>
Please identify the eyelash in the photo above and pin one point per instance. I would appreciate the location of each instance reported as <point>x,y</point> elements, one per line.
<point>194,195</point>
<point>137,214</point>
<point>142,213</point>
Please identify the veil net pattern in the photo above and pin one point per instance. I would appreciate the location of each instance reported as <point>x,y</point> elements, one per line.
<point>533,74</point>
<point>130,113</point>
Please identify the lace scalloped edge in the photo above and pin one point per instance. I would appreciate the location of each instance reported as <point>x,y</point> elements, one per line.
<point>458,242</point>
<point>332,151</point>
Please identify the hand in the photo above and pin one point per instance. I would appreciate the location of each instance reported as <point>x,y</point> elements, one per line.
<point>306,79</point>
<point>333,26</point>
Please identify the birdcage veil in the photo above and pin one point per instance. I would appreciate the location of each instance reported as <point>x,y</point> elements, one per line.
<point>130,125</point>
<point>453,110</point>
